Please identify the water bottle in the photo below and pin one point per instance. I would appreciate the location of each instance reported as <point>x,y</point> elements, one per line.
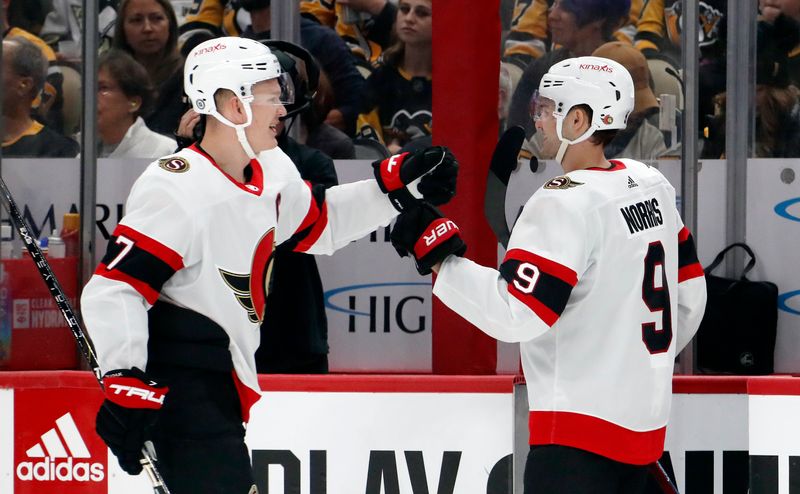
<point>56,246</point>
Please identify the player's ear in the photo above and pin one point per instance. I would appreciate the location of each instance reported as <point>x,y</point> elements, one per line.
<point>237,113</point>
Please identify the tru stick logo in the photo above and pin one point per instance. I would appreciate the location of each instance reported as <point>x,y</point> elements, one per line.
<point>60,455</point>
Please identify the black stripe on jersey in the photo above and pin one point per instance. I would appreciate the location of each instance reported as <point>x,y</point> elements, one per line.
<point>318,196</point>
<point>687,254</point>
<point>138,264</point>
<point>548,292</point>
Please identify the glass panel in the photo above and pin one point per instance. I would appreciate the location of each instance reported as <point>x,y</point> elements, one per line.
<point>41,76</point>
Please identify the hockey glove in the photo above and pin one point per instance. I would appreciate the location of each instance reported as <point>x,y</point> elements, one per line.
<point>427,235</point>
<point>429,173</point>
<point>128,413</point>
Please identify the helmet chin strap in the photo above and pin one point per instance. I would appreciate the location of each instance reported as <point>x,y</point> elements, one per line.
<point>239,128</point>
<point>565,143</point>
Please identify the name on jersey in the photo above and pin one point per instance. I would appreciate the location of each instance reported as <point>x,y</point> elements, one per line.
<point>642,215</point>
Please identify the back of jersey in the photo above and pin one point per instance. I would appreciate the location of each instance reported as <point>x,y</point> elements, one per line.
<point>605,365</point>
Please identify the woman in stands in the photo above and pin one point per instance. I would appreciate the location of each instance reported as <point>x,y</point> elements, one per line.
<point>148,30</point>
<point>124,95</point>
<point>397,106</point>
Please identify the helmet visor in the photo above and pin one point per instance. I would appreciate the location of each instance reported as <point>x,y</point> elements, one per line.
<point>286,96</point>
<point>541,107</point>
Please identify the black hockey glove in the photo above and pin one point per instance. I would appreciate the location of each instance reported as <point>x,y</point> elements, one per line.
<point>128,413</point>
<point>397,176</point>
<point>427,235</point>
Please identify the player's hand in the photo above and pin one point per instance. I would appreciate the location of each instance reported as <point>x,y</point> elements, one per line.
<point>430,173</point>
<point>427,235</point>
<point>128,413</point>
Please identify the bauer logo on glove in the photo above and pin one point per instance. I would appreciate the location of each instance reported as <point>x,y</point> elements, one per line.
<point>427,235</point>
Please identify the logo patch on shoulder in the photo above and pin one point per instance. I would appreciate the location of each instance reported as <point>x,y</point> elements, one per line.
<point>174,164</point>
<point>562,183</point>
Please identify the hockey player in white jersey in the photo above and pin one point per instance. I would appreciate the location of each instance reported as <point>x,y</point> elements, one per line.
<point>175,305</point>
<point>600,285</point>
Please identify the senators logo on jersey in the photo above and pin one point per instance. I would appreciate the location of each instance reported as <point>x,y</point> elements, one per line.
<point>562,183</point>
<point>251,289</point>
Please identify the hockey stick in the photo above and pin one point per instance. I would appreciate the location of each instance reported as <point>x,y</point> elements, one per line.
<point>84,343</point>
<point>504,161</point>
<point>661,477</point>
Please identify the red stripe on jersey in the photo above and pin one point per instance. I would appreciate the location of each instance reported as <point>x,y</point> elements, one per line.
<point>316,231</point>
<point>152,246</point>
<point>596,435</point>
<point>689,272</point>
<point>247,397</point>
<point>143,288</point>
<point>683,235</point>
<point>615,166</point>
<point>312,214</point>
<point>256,184</point>
<point>545,314</point>
<point>552,268</point>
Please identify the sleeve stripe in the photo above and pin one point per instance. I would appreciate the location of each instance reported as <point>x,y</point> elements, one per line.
<point>313,212</point>
<point>316,230</point>
<point>151,246</point>
<point>552,268</point>
<point>545,314</point>
<point>683,235</point>
<point>690,272</point>
<point>145,290</point>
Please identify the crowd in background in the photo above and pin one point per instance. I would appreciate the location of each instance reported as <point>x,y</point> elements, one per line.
<point>374,94</point>
<point>372,98</point>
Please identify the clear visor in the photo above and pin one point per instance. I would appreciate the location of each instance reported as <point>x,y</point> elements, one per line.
<point>286,96</point>
<point>540,107</point>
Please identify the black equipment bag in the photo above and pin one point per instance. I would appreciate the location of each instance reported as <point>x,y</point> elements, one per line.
<point>737,333</point>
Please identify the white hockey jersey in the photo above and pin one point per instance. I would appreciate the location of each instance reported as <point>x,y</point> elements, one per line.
<point>602,287</point>
<point>193,238</point>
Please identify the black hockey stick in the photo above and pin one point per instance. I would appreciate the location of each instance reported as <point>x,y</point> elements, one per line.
<point>84,343</point>
<point>504,161</point>
<point>661,477</point>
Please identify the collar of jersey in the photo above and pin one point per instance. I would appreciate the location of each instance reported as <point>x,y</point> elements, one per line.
<point>253,186</point>
<point>616,166</point>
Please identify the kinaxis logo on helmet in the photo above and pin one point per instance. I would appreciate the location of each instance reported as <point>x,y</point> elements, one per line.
<point>211,49</point>
<point>65,449</point>
<point>598,68</point>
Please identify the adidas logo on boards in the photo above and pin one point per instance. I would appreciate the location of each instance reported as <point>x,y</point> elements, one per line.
<point>57,462</point>
<point>631,183</point>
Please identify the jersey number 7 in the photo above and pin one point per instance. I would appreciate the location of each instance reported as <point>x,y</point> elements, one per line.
<point>655,293</point>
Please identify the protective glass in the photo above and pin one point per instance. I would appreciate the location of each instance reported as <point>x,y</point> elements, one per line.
<point>540,107</point>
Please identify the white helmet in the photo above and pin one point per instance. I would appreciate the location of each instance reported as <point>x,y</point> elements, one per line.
<point>602,84</point>
<point>235,64</point>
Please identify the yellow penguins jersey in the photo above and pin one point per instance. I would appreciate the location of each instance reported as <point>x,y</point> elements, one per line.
<point>214,17</point>
<point>659,25</point>
<point>527,38</point>
<point>602,288</point>
<point>196,243</point>
<point>366,37</point>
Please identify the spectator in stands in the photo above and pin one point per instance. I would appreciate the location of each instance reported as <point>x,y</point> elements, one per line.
<point>398,96</point>
<point>770,12</point>
<point>640,139</point>
<point>23,18</point>
<point>528,39</point>
<point>148,30</point>
<point>658,35</point>
<point>124,94</point>
<point>333,56</point>
<point>317,132</point>
<point>579,27</point>
<point>777,102</point>
<point>366,25</point>
<point>24,72</point>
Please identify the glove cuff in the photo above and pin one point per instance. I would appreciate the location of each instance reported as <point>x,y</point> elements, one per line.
<point>387,172</point>
<point>131,388</point>
<point>436,234</point>
<point>402,199</point>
